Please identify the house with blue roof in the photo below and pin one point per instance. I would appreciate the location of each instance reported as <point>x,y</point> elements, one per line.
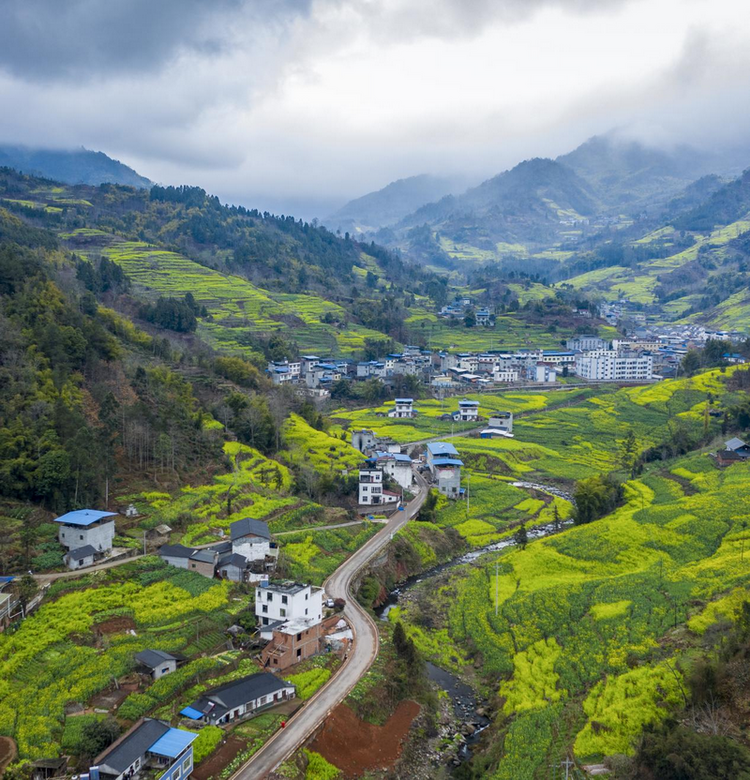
<point>149,746</point>
<point>396,466</point>
<point>87,533</point>
<point>445,466</point>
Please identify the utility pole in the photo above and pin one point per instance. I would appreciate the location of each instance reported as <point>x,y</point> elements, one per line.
<point>468,493</point>
<point>567,764</point>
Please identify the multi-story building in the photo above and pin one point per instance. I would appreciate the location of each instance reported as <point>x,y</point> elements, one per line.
<point>468,411</point>
<point>396,466</point>
<point>279,602</point>
<point>403,407</point>
<point>87,528</point>
<point>482,317</point>
<point>501,374</point>
<point>291,643</point>
<point>615,367</point>
<point>445,465</point>
<point>541,373</point>
<point>585,343</point>
<point>371,490</point>
<point>501,420</point>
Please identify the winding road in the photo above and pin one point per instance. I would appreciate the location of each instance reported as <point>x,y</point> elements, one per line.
<point>362,654</point>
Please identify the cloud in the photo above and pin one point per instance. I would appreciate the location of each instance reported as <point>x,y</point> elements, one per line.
<point>316,101</point>
<point>63,39</point>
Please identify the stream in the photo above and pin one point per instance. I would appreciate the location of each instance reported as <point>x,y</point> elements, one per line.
<point>462,695</point>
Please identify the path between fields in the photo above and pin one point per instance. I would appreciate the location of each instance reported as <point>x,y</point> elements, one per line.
<point>363,652</point>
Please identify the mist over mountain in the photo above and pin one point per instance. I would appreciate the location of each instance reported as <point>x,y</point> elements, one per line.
<point>74,166</point>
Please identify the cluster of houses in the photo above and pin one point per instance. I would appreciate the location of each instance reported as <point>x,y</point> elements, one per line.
<point>461,307</point>
<point>250,555</point>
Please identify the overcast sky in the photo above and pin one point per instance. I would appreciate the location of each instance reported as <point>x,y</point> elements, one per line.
<point>299,105</point>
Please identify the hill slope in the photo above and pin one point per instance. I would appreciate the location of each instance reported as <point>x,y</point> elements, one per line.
<point>74,166</point>
<point>389,205</point>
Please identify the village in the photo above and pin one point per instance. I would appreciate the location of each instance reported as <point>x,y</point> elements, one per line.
<point>648,353</point>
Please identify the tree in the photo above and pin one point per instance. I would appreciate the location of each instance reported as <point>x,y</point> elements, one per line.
<point>96,736</point>
<point>691,362</point>
<point>27,589</point>
<point>629,453</point>
<point>521,537</point>
<point>595,497</point>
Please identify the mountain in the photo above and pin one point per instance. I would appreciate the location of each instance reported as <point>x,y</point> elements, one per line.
<point>533,204</point>
<point>73,166</point>
<point>389,205</point>
<point>630,175</point>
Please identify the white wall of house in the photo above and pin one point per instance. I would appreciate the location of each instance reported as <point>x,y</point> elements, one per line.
<point>272,603</point>
<point>100,535</point>
<point>180,563</point>
<point>449,480</point>
<point>167,667</point>
<point>254,548</point>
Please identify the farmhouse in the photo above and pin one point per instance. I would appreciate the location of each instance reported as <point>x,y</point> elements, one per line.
<point>200,561</point>
<point>371,490</point>
<point>87,527</point>
<point>468,411</point>
<point>239,698</point>
<point>251,539</point>
<point>445,465</point>
<point>277,603</point>
<point>157,662</point>
<point>149,744</point>
<point>83,556</point>
<point>292,642</point>
<point>404,407</point>
<point>502,421</point>
<point>396,466</point>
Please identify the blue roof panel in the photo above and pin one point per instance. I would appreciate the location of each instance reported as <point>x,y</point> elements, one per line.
<point>192,713</point>
<point>447,462</point>
<point>83,517</point>
<point>172,743</point>
<point>441,448</point>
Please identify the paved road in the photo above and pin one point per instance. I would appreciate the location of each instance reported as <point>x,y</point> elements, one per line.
<point>363,652</point>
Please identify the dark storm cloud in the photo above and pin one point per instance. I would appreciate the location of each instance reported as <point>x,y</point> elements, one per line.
<point>62,39</point>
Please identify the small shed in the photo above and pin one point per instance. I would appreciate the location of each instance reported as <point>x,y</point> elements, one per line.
<point>83,556</point>
<point>157,662</point>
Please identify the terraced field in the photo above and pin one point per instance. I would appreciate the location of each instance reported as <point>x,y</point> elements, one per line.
<point>236,306</point>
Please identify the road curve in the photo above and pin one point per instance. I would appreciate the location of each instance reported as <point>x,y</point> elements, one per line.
<point>362,654</point>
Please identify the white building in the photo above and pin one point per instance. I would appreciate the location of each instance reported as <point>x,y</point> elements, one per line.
<point>371,490</point>
<point>502,421</point>
<point>404,407</point>
<point>557,358</point>
<point>482,317</point>
<point>586,342</point>
<point>278,603</point>
<point>542,373</point>
<point>504,374</point>
<point>468,411</point>
<point>614,367</point>
<point>87,527</point>
<point>251,539</point>
<point>396,466</point>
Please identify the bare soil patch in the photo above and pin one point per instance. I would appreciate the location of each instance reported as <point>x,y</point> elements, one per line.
<point>222,756</point>
<point>7,752</point>
<point>356,747</point>
<point>116,625</point>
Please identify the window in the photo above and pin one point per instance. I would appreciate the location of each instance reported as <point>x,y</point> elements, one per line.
<point>276,661</point>
<point>264,607</point>
<point>284,600</point>
<point>81,537</point>
<point>299,653</point>
<point>305,610</point>
<point>165,670</point>
<point>299,636</point>
<point>306,596</point>
<point>187,764</point>
<point>265,621</point>
<point>282,612</point>
<point>269,596</point>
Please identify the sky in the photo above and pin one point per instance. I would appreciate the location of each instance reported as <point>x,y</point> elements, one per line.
<point>296,106</point>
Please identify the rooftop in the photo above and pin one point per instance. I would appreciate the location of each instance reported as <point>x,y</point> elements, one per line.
<point>447,462</point>
<point>436,448</point>
<point>123,752</point>
<point>84,517</point>
<point>224,698</point>
<point>82,552</point>
<point>289,588</point>
<point>173,743</point>
<point>249,527</point>
<point>153,658</point>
